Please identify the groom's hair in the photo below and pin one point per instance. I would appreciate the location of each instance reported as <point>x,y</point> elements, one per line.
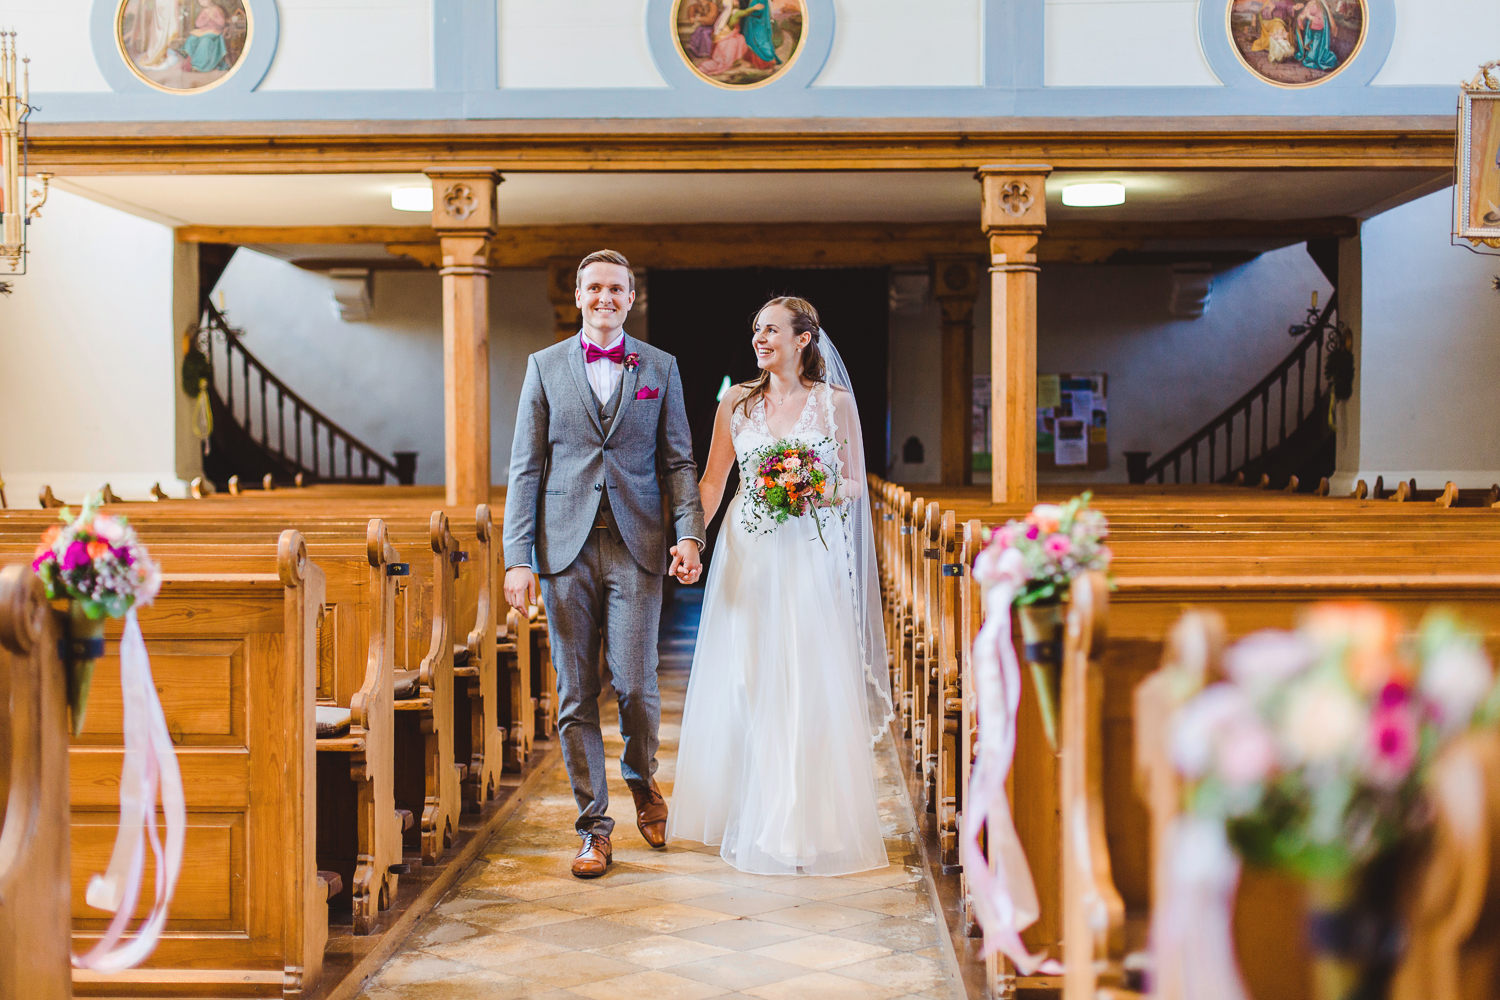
<point>604,257</point>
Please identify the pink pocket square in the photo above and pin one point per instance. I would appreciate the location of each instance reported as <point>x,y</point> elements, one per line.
<point>648,393</point>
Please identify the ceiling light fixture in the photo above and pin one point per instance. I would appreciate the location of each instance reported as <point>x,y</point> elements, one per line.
<point>1093,195</point>
<point>413,198</point>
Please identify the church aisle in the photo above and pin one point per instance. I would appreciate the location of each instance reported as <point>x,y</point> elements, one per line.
<point>677,924</point>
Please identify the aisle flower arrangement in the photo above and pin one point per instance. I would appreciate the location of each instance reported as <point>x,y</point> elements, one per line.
<point>1312,757</point>
<point>1028,564</point>
<point>97,564</point>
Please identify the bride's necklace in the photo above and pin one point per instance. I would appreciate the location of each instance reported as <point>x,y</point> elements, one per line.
<point>782,401</point>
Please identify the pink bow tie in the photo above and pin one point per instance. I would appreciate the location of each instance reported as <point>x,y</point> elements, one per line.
<point>615,354</point>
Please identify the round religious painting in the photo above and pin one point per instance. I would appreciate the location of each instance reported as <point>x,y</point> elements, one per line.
<point>182,46</point>
<point>740,43</point>
<point>1297,43</point>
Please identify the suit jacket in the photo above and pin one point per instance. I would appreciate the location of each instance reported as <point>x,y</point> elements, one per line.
<point>562,460</point>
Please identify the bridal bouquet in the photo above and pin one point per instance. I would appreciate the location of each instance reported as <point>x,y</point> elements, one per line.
<point>791,480</point>
<point>1317,756</point>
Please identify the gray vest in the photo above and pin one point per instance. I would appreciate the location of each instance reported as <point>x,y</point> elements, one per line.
<point>605,518</point>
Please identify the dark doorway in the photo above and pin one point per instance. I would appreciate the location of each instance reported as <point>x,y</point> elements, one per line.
<point>703,317</point>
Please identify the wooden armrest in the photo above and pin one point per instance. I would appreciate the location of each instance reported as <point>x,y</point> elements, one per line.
<point>332,881</point>
<point>465,671</point>
<point>508,646</point>
<point>414,705</point>
<point>341,744</point>
<point>406,818</point>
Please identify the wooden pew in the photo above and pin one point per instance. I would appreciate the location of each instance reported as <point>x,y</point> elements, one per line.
<point>234,657</point>
<point>358,828</point>
<point>427,777</point>
<point>34,893</point>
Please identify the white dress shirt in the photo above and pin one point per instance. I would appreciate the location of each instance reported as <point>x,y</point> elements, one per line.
<point>604,374</point>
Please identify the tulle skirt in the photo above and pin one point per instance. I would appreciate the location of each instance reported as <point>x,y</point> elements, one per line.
<point>775,764</point>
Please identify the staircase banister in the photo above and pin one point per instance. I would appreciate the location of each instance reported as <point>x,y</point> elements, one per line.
<point>236,343</point>
<point>1313,337</point>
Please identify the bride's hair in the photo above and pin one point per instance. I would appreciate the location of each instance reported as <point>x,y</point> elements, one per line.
<point>804,320</point>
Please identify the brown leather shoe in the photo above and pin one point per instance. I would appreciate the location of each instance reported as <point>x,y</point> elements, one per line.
<point>593,857</point>
<point>651,814</point>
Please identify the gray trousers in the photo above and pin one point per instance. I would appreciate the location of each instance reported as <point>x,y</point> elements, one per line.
<point>604,596</point>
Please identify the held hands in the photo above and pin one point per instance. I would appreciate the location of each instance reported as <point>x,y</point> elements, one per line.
<point>520,588</point>
<point>686,565</point>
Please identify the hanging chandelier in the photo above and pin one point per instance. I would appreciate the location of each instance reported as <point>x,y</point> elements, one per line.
<point>15,108</point>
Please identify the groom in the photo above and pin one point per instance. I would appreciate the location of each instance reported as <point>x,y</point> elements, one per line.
<point>601,434</point>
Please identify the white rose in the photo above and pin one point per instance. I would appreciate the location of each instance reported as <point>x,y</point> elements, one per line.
<point>1457,678</point>
<point>1323,721</point>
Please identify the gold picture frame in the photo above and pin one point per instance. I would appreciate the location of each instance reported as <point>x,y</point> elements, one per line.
<point>713,44</point>
<point>1476,215</point>
<point>161,42</point>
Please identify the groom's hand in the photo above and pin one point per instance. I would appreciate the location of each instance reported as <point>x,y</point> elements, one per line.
<point>686,565</point>
<point>520,588</point>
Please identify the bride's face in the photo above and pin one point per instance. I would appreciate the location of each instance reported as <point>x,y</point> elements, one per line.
<point>778,347</point>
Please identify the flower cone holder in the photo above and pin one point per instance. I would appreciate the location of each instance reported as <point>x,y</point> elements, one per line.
<point>82,650</point>
<point>1042,625</point>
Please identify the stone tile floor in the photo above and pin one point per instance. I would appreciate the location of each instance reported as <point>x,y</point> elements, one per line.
<point>678,924</point>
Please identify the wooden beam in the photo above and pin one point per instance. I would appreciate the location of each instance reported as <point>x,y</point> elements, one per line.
<point>620,145</point>
<point>801,244</point>
<point>955,285</point>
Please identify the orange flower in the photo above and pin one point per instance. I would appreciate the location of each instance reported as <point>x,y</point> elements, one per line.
<point>50,535</point>
<point>1367,633</point>
<point>97,549</point>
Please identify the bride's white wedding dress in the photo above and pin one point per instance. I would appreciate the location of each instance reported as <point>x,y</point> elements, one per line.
<point>775,762</point>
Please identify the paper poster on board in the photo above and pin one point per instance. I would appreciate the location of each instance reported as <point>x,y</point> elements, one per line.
<point>1072,421</point>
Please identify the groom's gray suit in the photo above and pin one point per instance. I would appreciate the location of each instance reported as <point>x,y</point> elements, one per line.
<point>584,509</point>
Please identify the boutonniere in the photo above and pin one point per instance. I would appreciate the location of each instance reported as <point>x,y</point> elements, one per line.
<point>632,361</point>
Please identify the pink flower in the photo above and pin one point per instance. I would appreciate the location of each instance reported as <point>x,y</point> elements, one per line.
<point>76,556</point>
<point>1058,545</point>
<point>1003,538</point>
<point>1246,751</point>
<point>1032,532</point>
<point>793,463</point>
<point>1393,745</point>
<point>1263,660</point>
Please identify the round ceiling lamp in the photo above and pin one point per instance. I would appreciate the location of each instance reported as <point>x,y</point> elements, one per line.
<point>412,198</point>
<point>1093,195</point>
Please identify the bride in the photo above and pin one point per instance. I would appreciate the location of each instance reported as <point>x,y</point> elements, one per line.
<point>789,687</point>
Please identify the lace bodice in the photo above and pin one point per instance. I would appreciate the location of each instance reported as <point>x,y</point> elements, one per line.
<point>750,431</point>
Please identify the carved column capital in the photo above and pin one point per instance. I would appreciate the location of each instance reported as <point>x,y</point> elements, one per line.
<point>463,199</point>
<point>1014,196</point>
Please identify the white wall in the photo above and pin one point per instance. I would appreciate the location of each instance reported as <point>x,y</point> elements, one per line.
<point>353,45</point>
<point>1167,377</point>
<point>1125,43</point>
<point>893,43</point>
<point>383,380</point>
<point>1427,322</point>
<point>916,349</point>
<point>575,43</point>
<point>1441,42</point>
<point>55,34</point>
<point>88,383</point>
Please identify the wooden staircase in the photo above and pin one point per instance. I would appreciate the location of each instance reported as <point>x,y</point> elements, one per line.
<point>1279,428</point>
<point>262,427</point>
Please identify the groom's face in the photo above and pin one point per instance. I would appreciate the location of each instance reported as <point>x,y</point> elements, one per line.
<point>604,296</point>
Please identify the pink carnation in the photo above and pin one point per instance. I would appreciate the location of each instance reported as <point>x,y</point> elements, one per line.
<point>1058,545</point>
<point>1393,744</point>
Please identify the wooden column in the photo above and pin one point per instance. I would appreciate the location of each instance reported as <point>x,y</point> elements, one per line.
<point>562,280</point>
<point>955,284</point>
<point>463,215</point>
<point>1014,213</point>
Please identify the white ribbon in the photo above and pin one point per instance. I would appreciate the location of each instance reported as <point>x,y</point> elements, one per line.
<point>1192,930</point>
<point>150,764</point>
<point>1004,897</point>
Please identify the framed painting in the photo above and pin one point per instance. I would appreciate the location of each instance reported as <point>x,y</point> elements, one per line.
<point>1477,205</point>
<point>183,46</point>
<point>739,44</point>
<point>1296,43</point>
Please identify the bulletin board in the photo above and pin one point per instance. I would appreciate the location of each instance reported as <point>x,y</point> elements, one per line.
<point>1072,422</point>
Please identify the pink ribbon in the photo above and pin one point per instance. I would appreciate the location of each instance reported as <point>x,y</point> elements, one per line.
<point>150,765</point>
<point>1003,895</point>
